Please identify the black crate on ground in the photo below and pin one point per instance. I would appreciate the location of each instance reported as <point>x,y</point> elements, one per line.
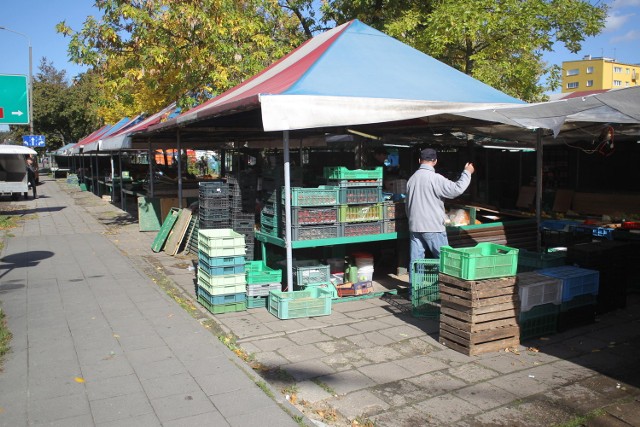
<point>576,317</point>
<point>213,224</point>
<point>214,215</point>
<point>214,203</point>
<point>213,189</point>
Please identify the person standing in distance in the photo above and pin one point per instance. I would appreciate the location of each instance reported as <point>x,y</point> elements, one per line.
<point>31,177</point>
<point>426,191</point>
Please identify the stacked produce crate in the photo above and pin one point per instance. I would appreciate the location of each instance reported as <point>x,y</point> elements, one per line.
<point>308,274</point>
<point>540,298</point>
<point>214,205</point>
<point>242,196</point>
<point>260,281</point>
<point>479,301</point>
<point>610,258</point>
<point>425,293</point>
<point>579,295</point>
<point>360,198</point>
<point>221,271</point>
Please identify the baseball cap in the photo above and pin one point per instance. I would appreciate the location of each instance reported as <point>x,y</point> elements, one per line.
<point>428,154</point>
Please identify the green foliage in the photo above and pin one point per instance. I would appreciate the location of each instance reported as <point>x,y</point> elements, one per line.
<point>62,112</point>
<point>498,42</point>
<point>5,336</point>
<point>149,54</point>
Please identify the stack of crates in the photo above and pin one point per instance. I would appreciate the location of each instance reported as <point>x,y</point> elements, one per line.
<point>579,295</point>
<point>540,298</point>
<point>309,274</point>
<point>314,213</point>
<point>425,295</point>
<point>214,205</point>
<point>531,261</point>
<point>221,271</point>
<point>260,281</point>
<point>478,298</point>
<point>360,198</point>
<point>561,233</point>
<point>610,258</point>
<point>395,217</point>
<point>242,195</point>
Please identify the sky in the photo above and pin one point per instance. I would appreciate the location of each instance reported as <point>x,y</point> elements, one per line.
<point>36,20</point>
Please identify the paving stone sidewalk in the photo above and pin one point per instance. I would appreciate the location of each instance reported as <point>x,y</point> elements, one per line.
<point>97,343</point>
<point>372,363</point>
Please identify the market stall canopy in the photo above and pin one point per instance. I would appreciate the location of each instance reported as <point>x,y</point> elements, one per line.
<point>87,139</point>
<point>16,149</point>
<point>65,150</point>
<point>95,144</point>
<point>121,140</point>
<point>352,74</point>
<point>571,118</point>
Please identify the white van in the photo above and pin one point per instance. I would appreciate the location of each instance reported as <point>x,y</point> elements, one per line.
<point>13,170</point>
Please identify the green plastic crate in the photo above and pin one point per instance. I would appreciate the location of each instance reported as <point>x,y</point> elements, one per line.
<point>340,172</point>
<point>529,261</point>
<point>361,213</point>
<point>222,308</point>
<point>425,291</point>
<point>219,238</point>
<point>259,272</point>
<point>311,302</point>
<point>257,302</point>
<point>483,261</point>
<point>321,196</point>
<point>541,320</point>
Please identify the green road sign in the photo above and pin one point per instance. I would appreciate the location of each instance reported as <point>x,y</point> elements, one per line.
<point>14,100</point>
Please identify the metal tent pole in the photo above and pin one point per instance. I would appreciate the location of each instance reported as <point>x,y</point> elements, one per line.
<point>179,170</point>
<point>122,194</point>
<point>152,158</point>
<point>287,210</point>
<point>538,186</point>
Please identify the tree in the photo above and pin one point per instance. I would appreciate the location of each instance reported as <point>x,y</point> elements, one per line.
<point>499,42</point>
<point>63,113</point>
<point>150,53</point>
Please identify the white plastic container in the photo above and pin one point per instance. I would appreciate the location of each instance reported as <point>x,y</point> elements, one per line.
<point>536,289</point>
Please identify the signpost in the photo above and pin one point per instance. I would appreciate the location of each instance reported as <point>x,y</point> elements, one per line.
<point>14,100</point>
<point>33,140</point>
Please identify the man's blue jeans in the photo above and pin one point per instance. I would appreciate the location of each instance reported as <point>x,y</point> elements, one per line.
<point>421,244</point>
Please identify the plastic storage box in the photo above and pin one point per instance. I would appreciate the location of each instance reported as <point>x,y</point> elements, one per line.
<point>575,280</point>
<point>340,172</point>
<point>536,289</point>
<point>311,302</point>
<point>259,272</point>
<point>539,321</point>
<point>529,261</point>
<point>483,261</point>
<point>425,293</point>
<point>310,272</point>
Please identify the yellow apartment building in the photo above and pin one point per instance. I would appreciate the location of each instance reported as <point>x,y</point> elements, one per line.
<point>598,73</point>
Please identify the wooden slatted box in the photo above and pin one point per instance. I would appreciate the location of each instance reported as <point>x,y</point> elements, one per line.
<point>479,316</point>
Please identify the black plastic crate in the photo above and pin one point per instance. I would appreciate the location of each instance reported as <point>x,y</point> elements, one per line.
<point>213,189</point>
<point>215,214</point>
<point>576,317</point>
<point>212,224</point>
<point>214,203</point>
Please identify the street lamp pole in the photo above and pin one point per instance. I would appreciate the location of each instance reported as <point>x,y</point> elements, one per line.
<point>30,88</point>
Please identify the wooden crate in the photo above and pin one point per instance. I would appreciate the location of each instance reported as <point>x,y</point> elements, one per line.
<point>478,316</point>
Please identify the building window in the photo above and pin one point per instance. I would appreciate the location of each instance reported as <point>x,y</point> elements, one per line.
<point>572,85</point>
<point>589,83</point>
<point>589,70</point>
<point>617,83</point>
<point>628,71</point>
<point>573,72</point>
<point>617,69</point>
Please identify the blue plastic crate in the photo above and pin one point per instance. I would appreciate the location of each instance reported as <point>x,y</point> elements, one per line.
<point>576,281</point>
<point>594,230</point>
<point>558,224</point>
<point>221,299</point>
<point>219,261</point>
<point>223,269</point>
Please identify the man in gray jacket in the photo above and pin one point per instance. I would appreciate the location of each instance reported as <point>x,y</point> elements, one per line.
<point>426,191</point>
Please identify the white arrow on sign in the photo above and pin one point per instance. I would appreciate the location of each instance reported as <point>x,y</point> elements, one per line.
<point>17,113</point>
